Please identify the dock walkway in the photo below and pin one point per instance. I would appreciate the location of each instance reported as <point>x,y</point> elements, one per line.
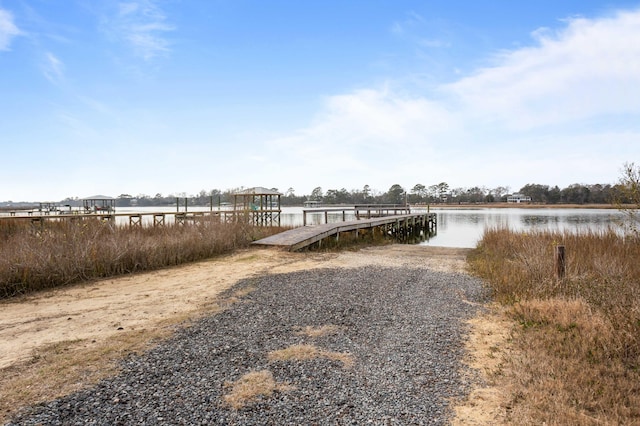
<point>265,217</point>
<point>298,238</point>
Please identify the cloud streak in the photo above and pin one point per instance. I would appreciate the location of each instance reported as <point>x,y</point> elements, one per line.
<point>8,30</point>
<point>143,26</point>
<point>53,68</point>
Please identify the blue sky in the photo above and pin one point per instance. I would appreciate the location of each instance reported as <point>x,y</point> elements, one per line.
<point>177,96</point>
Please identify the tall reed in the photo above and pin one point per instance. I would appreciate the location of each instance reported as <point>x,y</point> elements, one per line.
<point>578,357</point>
<point>59,253</point>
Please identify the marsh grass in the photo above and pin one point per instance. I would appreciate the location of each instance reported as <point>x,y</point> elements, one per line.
<point>60,253</point>
<point>578,343</point>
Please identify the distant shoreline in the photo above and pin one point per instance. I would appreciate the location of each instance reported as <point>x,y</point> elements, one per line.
<point>520,206</point>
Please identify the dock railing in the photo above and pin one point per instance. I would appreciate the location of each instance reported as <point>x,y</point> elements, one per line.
<point>360,211</point>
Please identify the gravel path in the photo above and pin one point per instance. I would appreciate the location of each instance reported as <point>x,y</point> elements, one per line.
<point>402,327</point>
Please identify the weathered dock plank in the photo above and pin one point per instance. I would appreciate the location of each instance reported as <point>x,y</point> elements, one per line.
<point>295,239</point>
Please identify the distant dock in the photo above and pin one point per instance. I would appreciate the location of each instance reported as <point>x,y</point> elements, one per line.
<point>137,219</point>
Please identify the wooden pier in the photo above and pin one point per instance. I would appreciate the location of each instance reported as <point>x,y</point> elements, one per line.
<point>153,218</point>
<point>402,225</point>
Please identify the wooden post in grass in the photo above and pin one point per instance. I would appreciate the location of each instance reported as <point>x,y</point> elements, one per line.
<point>560,262</point>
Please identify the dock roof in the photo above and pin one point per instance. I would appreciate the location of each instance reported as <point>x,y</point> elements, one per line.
<point>258,190</point>
<point>98,197</point>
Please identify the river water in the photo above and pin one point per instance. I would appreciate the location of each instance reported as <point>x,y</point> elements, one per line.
<point>464,228</point>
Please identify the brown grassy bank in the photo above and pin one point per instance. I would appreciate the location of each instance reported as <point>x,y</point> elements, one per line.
<point>577,357</point>
<point>68,252</point>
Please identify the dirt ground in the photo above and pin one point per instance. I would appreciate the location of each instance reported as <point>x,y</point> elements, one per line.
<point>86,319</point>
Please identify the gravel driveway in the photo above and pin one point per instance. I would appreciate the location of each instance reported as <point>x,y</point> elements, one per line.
<point>403,328</point>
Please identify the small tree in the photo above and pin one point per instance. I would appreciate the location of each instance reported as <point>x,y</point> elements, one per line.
<point>316,194</point>
<point>419,192</point>
<point>396,194</point>
<point>629,197</point>
<point>442,188</point>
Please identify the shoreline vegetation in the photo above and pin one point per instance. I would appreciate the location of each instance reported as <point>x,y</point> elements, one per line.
<point>63,253</point>
<point>575,355</point>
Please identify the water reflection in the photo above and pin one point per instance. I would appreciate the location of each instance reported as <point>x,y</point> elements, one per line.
<point>464,228</point>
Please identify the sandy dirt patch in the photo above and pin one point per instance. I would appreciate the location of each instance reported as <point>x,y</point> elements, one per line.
<point>487,347</point>
<point>85,318</point>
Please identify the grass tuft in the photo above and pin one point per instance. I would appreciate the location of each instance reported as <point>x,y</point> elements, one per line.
<point>250,387</point>
<point>304,352</point>
<point>311,331</point>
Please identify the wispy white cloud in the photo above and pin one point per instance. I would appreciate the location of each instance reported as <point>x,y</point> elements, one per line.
<point>589,68</point>
<point>414,27</point>
<point>52,68</point>
<point>8,29</point>
<point>432,42</point>
<point>411,20</point>
<point>566,109</point>
<point>142,24</point>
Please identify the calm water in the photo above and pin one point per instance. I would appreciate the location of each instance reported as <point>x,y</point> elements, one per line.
<point>456,228</point>
<point>464,228</point>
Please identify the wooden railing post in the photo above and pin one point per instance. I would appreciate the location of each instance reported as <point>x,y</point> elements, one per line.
<point>560,262</point>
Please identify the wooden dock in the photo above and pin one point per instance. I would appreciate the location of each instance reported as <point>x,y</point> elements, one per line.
<point>397,225</point>
<point>152,218</point>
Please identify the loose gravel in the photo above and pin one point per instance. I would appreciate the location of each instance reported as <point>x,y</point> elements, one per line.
<point>404,328</point>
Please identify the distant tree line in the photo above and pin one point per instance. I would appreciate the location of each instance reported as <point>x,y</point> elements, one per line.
<point>442,193</point>
<point>396,194</point>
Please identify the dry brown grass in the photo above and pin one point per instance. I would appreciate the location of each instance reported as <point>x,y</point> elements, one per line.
<point>303,352</point>
<point>320,331</point>
<point>61,253</point>
<point>252,386</point>
<point>66,367</point>
<point>577,351</point>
